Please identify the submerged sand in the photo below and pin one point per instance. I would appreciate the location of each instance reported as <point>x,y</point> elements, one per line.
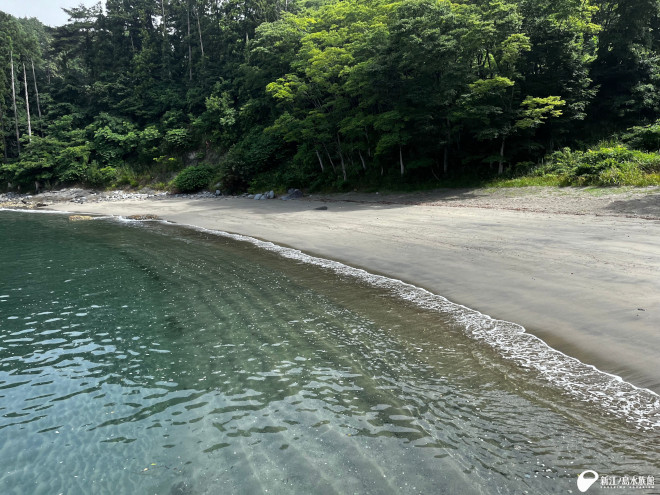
<point>578,268</point>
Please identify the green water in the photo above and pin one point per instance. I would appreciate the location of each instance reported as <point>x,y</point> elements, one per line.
<point>145,358</point>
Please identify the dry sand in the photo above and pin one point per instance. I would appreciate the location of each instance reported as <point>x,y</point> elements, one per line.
<point>578,268</point>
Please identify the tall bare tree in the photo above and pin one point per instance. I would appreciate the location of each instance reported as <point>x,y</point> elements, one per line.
<point>189,43</point>
<point>27,104</point>
<point>36,90</point>
<point>13,96</point>
<point>199,28</point>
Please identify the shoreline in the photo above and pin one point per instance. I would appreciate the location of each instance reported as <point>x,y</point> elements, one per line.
<point>586,284</point>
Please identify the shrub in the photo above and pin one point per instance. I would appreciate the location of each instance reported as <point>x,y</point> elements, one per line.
<point>192,179</point>
<point>101,177</point>
<point>177,139</point>
<point>645,138</point>
<point>603,166</point>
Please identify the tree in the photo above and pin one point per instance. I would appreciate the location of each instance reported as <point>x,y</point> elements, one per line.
<point>627,68</point>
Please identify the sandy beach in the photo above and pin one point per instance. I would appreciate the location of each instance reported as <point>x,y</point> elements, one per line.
<point>578,268</point>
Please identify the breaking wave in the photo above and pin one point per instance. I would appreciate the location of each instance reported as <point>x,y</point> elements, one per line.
<point>584,382</point>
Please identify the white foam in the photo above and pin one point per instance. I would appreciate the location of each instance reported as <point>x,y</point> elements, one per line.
<point>585,382</point>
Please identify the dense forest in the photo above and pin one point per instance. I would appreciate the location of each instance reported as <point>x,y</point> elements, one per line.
<point>327,93</point>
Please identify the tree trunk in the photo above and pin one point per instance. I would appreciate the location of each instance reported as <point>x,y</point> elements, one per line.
<point>341,157</point>
<point>401,160</point>
<point>189,45</point>
<point>27,104</point>
<point>199,28</point>
<point>36,89</point>
<point>2,131</point>
<point>318,155</point>
<point>364,165</point>
<point>500,168</point>
<point>13,95</point>
<point>446,158</point>
<point>334,169</point>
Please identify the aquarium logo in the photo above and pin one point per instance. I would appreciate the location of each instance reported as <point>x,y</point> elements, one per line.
<point>584,483</point>
<point>589,477</point>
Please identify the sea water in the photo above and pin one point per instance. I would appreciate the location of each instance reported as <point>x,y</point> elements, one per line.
<point>140,357</point>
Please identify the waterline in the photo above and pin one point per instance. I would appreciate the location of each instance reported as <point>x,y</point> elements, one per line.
<point>149,358</point>
<point>585,382</point>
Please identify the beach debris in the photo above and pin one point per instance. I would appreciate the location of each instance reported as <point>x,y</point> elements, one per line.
<point>148,216</point>
<point>80,218</point>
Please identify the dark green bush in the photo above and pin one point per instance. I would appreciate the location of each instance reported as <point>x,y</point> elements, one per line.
<point>193,179</point>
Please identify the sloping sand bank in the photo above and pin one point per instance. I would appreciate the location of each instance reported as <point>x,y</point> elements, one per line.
<point>579,269</point>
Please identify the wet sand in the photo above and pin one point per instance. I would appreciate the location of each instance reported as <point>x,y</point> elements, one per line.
<point>585,277</point>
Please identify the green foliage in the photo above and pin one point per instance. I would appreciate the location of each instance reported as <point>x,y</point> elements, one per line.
<point>332,93</point>
<point>101,177</point>
<point>192,179</point>
<point>177,139</point>
<point>645,138</point>
<point>604,166</point>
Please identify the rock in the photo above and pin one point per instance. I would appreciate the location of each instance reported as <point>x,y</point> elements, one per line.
<point>293,194</point>
<point>80,218</point>
<point>271,194</point>
<point>321,208</point>
<point>264,196</point>
<point>41,205</point>
<point>218,193</point>
<point>257,197</point>
<point>250,196</point>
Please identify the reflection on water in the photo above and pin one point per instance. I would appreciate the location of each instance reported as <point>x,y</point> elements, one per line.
<point>150,359</point>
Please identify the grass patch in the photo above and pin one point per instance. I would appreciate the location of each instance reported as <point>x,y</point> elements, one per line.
<point>527,181</point>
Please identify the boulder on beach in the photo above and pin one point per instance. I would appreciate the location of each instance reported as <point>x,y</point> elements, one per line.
<point>293,194</point>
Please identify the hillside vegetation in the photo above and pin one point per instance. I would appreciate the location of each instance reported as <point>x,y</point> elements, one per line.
<point>327,94</point>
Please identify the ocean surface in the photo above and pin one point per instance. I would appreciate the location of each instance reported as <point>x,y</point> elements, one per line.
<point>142,357</point>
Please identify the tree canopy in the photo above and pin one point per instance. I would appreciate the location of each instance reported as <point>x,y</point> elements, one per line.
<point>319,93</point>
